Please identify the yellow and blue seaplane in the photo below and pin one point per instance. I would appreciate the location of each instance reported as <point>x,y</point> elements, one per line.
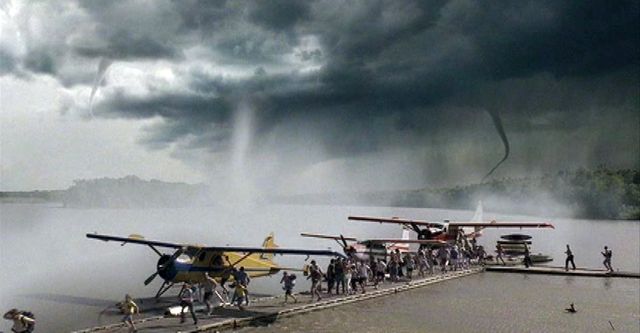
<point>189,263</point>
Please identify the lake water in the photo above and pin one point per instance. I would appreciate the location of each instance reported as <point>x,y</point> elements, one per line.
<point>486,302</point>
<point>51,268</point>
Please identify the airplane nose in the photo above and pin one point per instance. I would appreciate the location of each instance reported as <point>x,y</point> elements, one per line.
<point>165,267</point>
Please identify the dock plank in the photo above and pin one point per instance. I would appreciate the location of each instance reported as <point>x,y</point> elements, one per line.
<point>554,270</point>
<point>267,310</point>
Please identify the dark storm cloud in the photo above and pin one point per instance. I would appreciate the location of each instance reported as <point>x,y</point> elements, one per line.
<point>8,62</point>
<point>416,67</point>
<point>125,45</point>
<point>196,108</point>
<point>279,15</point>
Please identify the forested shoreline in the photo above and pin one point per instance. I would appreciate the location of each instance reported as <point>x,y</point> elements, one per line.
<point>593,194</point>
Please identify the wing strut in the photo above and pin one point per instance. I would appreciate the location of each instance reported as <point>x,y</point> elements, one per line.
<point>155,250</point>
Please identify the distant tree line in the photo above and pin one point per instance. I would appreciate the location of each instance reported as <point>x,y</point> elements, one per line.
<point>133,192</point>
<point>126,192</point>
<point>594,194</point>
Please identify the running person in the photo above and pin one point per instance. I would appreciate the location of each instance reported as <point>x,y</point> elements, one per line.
<point>569,259</point>
<point>22,323</point>
<point>607,259</point>
<point>315,274</point>
<point>210,286</point>
<point>499,256</point>
<point>129,308</point>
<point>240,276</point>
<point>186,301</point>
<point>289,281</point>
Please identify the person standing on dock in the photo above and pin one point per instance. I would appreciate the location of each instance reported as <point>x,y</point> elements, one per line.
<point>331,275</point>
<point>569,259</point>
<point>315,274</point>
<point>381,268</point>
<point>499,256</point>
<point>443,258</point>
<point>607,259</point>
<point>527,257</point>
<point>186,301</point>
<point>339,272</point>
<point>348,275</point>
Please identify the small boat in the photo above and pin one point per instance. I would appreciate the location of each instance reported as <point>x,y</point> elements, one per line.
<point>539,258</point>
<point>516,237</point>
<point>510,242</point>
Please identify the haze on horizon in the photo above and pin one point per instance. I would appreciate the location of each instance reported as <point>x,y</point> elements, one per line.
<point>315,96</point>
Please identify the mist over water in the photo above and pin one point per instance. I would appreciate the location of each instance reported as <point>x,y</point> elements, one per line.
<point>67,280</point>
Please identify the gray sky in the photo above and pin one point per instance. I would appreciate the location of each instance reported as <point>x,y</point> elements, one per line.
<point>312,96</point>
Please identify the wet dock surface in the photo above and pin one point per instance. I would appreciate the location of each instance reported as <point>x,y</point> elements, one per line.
<point>557,270</point>
<point>266,310</point>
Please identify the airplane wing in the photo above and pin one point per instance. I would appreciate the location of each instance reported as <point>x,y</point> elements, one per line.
<point>494,224</point>
<point>278,250</point>
<point>139,240</point>
<point>304,234</point>
<point>402,241</point>
<point>393,220</point>
<point>135,239</point>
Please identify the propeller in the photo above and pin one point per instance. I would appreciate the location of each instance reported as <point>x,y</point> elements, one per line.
<point>150,278</point>
<point>348,249</point>
<point>344,241</point>
<point>164,262</point>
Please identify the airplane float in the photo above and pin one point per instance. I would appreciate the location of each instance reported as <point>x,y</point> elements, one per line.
<point>449,231</point>
<point>377,248</point>
<point>189,263</point>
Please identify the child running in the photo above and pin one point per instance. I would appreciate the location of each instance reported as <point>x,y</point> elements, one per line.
<point>289,281</point>
<point>129,308</point>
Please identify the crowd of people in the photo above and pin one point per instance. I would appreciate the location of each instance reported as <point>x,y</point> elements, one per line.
<point>345,276</point>
<point>350,276</point>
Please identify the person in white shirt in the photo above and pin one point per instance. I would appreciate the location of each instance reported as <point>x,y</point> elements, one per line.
<point>22,323</point>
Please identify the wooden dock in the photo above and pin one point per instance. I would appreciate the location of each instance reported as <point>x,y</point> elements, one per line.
<point>556,270</point>
<point>266,310</point>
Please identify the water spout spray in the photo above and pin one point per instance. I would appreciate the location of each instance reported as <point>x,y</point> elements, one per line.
<point>240,145</point>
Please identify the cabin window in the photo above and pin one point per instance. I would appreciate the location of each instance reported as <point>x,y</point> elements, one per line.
<point>202,256</point>
<point>217,261</point>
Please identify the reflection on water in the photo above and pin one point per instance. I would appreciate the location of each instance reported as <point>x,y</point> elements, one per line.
<point>43,249</point>
<point>487,302</point>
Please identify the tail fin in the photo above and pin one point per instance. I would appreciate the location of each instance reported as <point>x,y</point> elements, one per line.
<point>269,243</point>
<point>403,247</point>
<point>405,233</point>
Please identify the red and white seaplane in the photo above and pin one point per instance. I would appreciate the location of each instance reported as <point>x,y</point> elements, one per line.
<point>450,231</point>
